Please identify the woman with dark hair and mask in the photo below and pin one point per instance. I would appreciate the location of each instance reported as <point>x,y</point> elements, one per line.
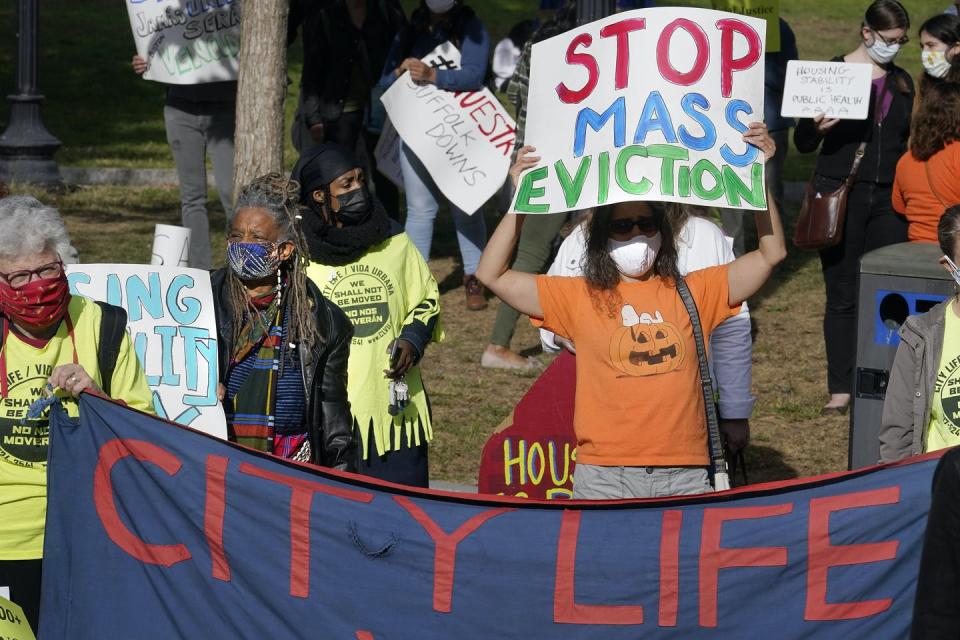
<point>364,262</point>
<point>871,221</point>
<point>283,346</point>
<point>639,415</point>
<point>926,180</point>
<point>55,343</point>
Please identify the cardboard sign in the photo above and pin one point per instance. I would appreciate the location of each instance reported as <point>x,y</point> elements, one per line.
<point>534,453</point>
<point>170,320</point>
<point>13,624</point>
<point>769,10</point>
<point>187,42</point>
<point>646,105</point>
<point>162,532</point>
<point>464,139</point>
<point>835,89</point>
<point>171,246</point>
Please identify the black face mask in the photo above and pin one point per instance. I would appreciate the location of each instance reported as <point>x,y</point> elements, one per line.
<point>355,206</point>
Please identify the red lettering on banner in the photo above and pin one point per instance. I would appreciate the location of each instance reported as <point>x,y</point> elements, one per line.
<point>588,62</point>
<point>729,64</point>
<point>822,555</point>
<point>702,44</point>
<point>103,498</point>
<point>213,511</point>
<point>301,501</point>
<point>713,557</point>
<point>565,608</point>
<point>621,31</point>
<point>670,567</point>
<point>445,548</point>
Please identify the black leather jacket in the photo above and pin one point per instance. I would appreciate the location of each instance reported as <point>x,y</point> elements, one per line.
<point>332,439</point>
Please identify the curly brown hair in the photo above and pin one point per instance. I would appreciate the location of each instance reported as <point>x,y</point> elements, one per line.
<point>937,121</point>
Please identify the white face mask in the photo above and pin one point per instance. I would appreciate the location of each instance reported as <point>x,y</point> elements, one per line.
<point>881,52</point>
<point>634,257</point>
<point>935,63</point>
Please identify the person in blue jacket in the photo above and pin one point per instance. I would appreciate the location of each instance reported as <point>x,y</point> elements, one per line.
<point>433,23</point>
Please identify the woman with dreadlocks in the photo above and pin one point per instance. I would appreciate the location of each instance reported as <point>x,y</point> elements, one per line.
<point>283,346</point>
<point>366,264</point>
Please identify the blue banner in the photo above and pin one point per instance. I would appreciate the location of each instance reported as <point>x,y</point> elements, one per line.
<point>158,531</point>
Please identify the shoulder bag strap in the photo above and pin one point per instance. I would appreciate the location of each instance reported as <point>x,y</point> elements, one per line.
<point>113,324</point>
<point>721,480</point>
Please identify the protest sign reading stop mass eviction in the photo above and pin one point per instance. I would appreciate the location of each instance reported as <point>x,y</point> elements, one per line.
<point>187,41</point>
<point>463,138</point>
<point>170,320</point>
<point>646,105</point>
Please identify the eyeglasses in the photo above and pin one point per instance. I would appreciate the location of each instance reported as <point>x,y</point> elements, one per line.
<point>646,224</point>
<point>17,279</point>
<point>891,41</point>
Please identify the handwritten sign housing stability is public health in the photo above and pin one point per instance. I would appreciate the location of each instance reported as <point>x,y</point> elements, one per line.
<point>835,89</point>
<point>646,105</point>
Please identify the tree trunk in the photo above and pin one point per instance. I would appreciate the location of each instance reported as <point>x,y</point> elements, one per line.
<point>261,89</point>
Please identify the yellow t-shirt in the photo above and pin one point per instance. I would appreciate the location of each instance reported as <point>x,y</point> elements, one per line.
<point>382,291</point>
<point>944,428</point>
<point>23,447</point>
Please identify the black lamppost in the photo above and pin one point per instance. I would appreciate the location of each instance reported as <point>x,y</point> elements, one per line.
<point>26,147</point>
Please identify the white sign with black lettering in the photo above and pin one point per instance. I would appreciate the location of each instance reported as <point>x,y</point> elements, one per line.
<point>835,89</point>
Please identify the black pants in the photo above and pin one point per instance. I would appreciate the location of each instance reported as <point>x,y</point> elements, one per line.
<point>871,223</point>
<point>22,577</point>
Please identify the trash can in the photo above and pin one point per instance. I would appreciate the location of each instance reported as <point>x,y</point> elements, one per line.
<point>896,281</point>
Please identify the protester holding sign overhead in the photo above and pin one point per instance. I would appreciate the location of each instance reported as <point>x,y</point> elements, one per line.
<point>640,417</point>
<point>433,23</point>
<point>283,346</point>
<point>364,262</point>
<point>52,344</point>
<point>926,179</point>
<point>870,221</point>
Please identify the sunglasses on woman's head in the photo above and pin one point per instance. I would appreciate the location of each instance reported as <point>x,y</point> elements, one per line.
<point>646,224</point>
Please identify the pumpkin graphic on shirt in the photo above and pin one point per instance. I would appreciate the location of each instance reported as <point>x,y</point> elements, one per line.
<point>646,345</point>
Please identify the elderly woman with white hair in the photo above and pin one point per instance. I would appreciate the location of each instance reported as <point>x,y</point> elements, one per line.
<point>50,343</point>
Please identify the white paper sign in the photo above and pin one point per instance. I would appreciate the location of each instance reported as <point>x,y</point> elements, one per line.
<point>171,246</point>
<point>646,105</point>
<point>465,140</point>
<point>835,89</point>
<point>170,320</point>
<point>188,42</point>
<point>387,154</point>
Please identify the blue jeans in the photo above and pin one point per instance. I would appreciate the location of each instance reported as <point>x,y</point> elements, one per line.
<point>423,198</point>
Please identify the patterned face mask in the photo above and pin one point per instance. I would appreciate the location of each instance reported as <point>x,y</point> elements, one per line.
<point>253,260</point>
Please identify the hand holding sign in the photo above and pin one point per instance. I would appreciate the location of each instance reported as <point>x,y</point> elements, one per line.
<point>524,162</point>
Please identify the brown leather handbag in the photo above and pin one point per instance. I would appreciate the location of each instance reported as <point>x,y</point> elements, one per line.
<point>820,223</point>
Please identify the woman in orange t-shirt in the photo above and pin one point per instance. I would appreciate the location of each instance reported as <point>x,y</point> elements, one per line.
<point>926,183</point>
<point>639,417</point>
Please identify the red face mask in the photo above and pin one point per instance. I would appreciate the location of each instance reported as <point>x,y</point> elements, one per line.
<point>40,303</point>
